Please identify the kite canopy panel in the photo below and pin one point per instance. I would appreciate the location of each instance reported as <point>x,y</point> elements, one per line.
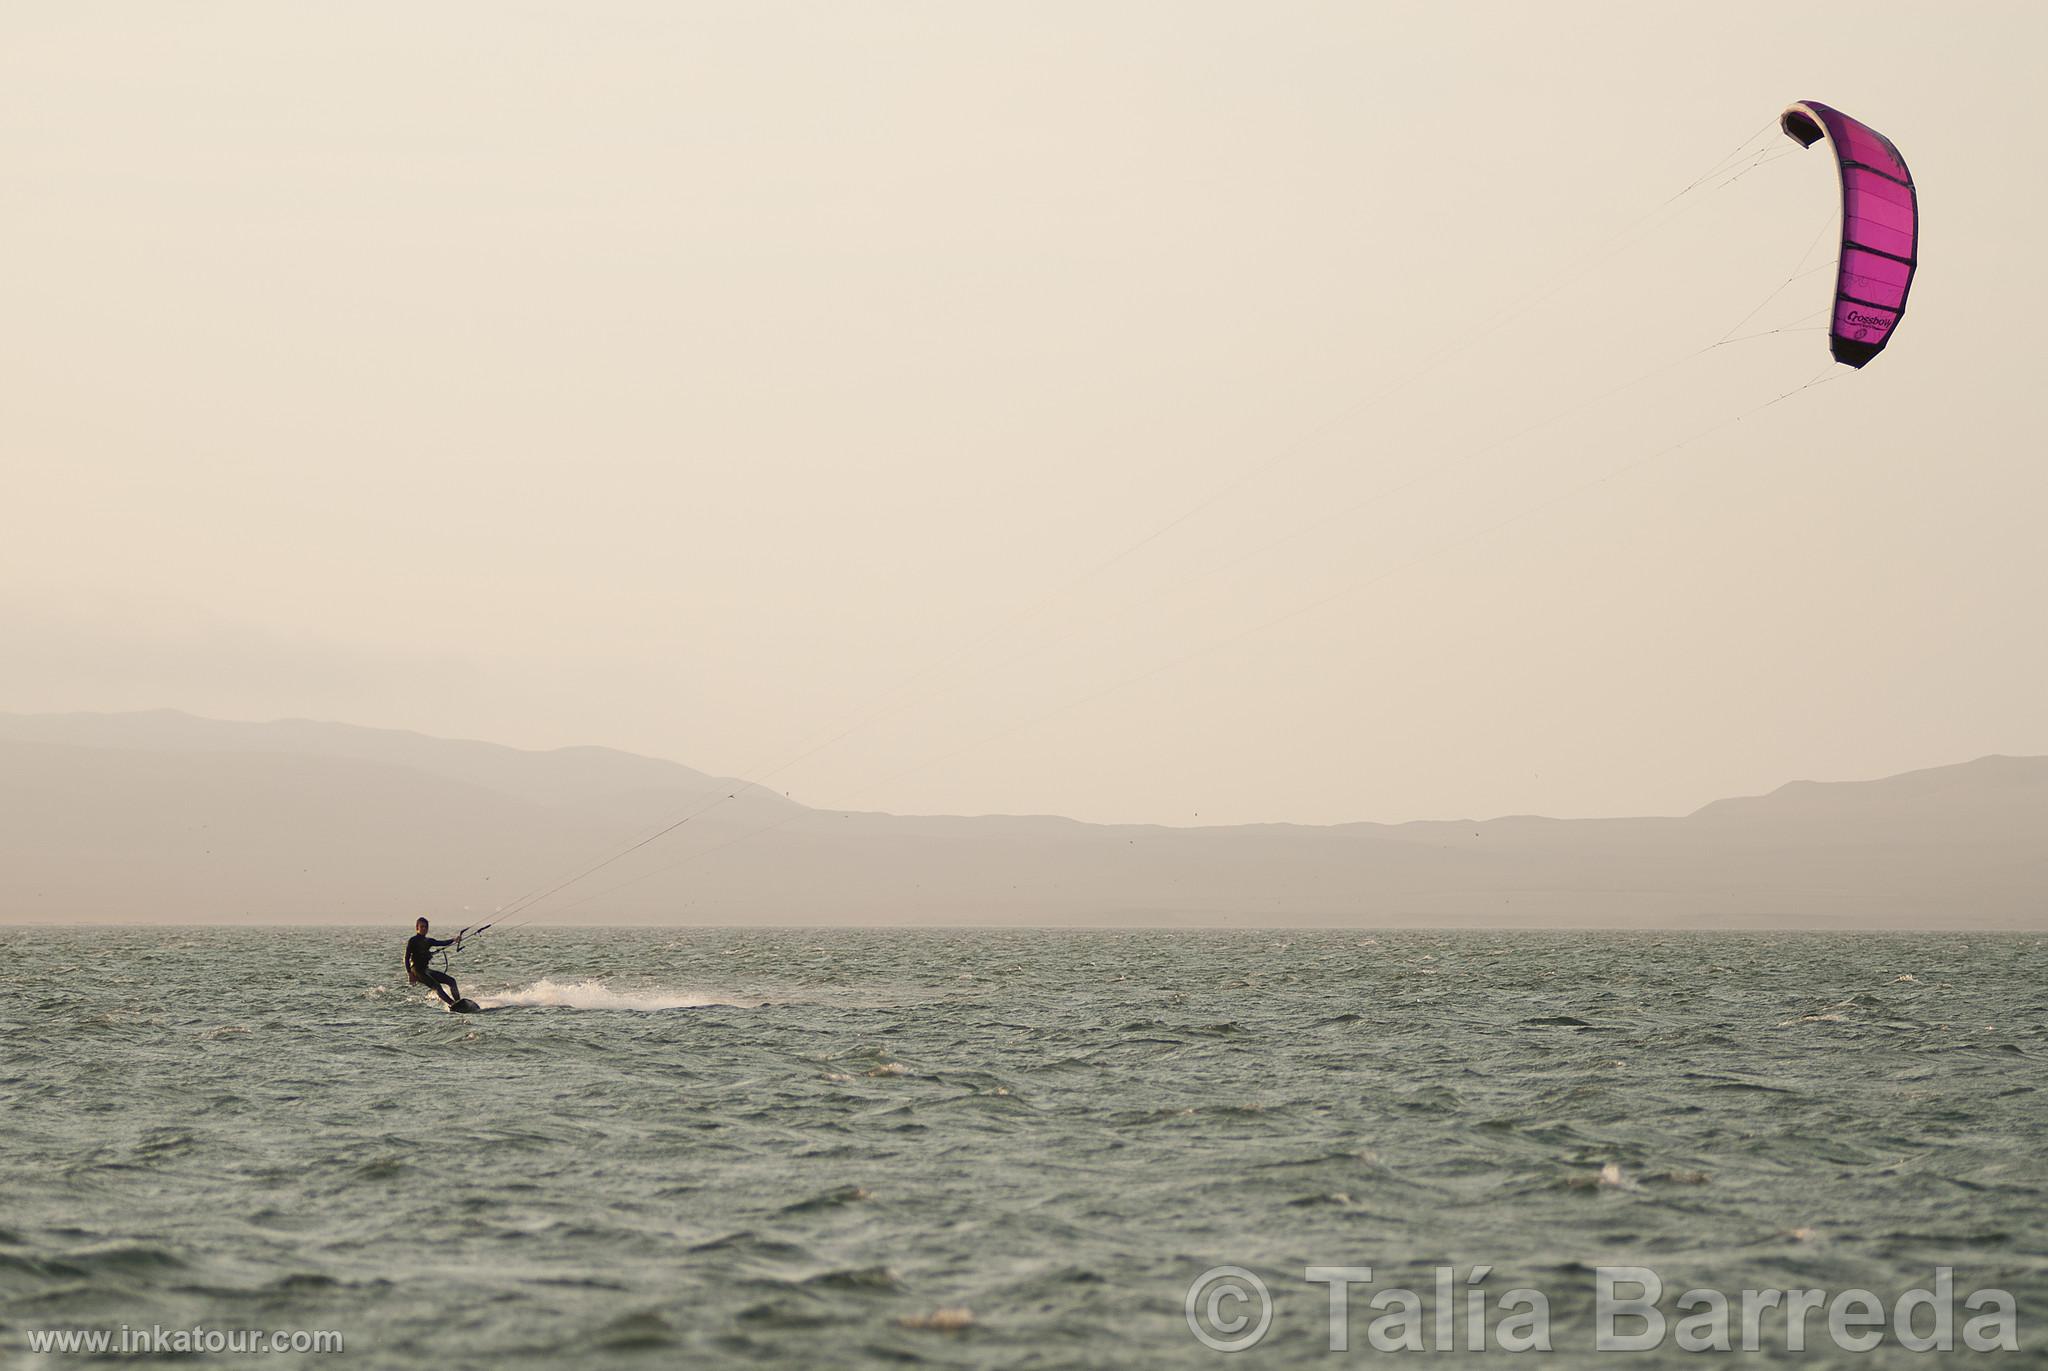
<point>1880,228</point>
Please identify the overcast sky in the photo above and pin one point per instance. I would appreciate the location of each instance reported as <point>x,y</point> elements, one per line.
<point>713,380</point>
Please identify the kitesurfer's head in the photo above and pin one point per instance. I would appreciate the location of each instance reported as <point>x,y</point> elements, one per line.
<point>420,923</point>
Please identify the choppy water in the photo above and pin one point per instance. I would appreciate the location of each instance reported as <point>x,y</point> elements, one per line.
<point>798,1147</point>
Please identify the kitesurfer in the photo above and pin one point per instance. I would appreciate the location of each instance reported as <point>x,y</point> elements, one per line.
<point>419,957</point>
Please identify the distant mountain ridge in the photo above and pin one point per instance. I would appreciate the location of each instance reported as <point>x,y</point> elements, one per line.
<point>163,815</point>
<point>563,776</point>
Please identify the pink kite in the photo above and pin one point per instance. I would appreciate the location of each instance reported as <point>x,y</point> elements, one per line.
<point>1880,228</point>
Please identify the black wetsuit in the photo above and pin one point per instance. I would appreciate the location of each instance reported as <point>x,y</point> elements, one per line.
<point>419,966</point>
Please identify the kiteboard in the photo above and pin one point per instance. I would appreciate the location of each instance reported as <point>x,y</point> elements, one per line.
<point>465,1005</point>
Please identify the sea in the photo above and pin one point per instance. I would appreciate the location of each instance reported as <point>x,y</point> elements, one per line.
<point>1020,1148</point>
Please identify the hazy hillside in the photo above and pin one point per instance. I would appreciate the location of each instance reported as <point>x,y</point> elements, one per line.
<point>164,816</point>
<point>565,777</point>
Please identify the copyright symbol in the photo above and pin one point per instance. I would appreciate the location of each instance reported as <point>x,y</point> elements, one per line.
<point>1229,1309</point>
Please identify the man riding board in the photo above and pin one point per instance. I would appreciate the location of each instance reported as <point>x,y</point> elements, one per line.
<point>419,958</point>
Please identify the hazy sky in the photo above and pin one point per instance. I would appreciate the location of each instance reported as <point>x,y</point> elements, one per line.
<point>706,380</point>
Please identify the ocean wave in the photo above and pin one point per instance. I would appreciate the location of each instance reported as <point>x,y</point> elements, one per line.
<point>595,994</point>
<point>830,1199</point>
